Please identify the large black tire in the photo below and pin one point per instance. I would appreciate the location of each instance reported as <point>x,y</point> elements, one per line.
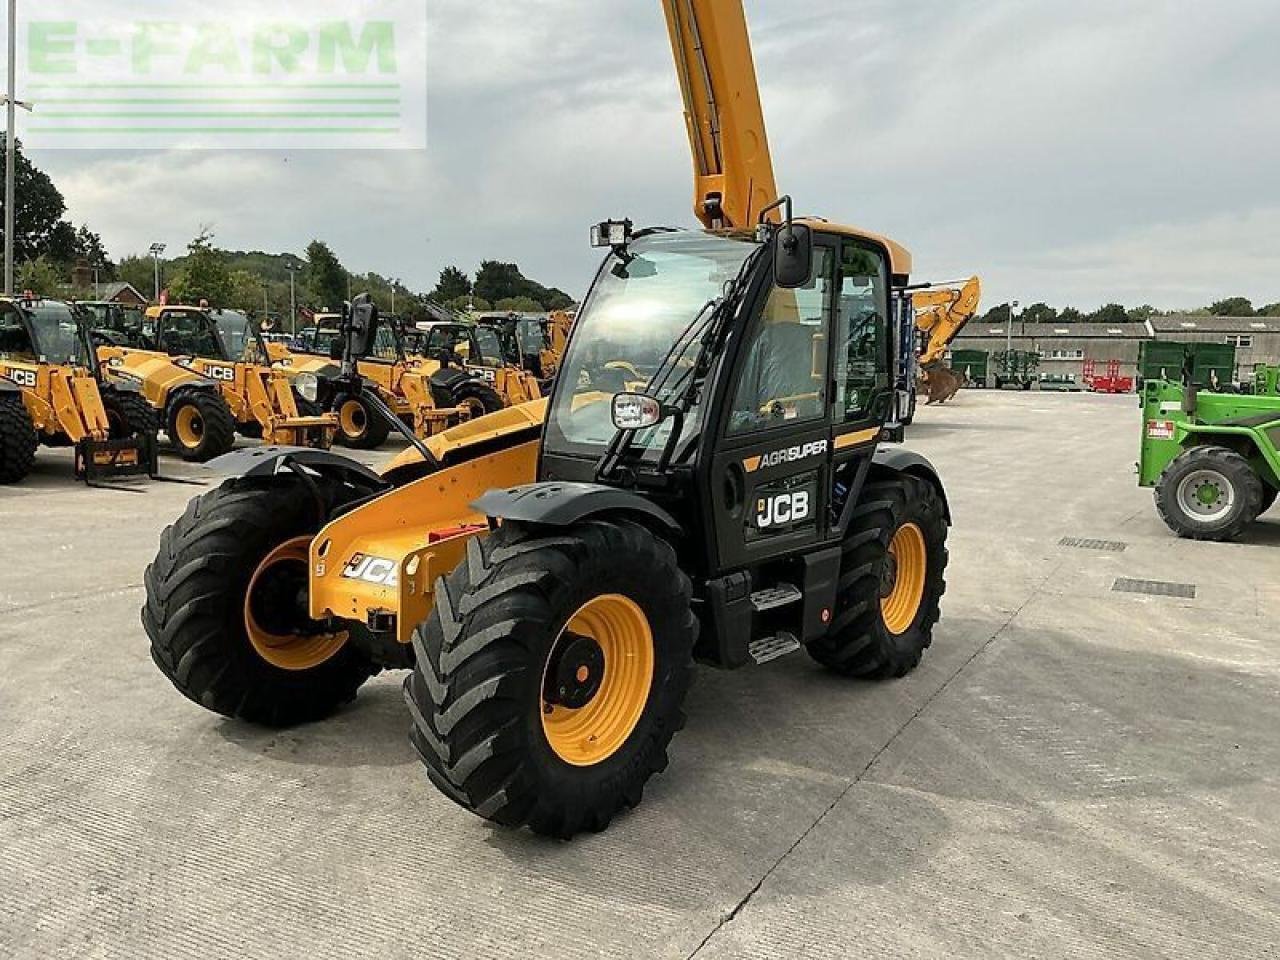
<point>476,693</point>
<point>1235,480</point>
<point>860,642</point>
<point>477,397</point>
<point>195,608</point>
<point>360,426</point>
<point>200,425</point>
<point>18,440</point>
<point>129,415</point>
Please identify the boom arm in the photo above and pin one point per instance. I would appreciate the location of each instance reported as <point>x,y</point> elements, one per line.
<point>941,313</point>
<point>732,168</point>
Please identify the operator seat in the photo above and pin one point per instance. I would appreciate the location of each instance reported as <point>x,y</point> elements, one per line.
<point>780,366</point>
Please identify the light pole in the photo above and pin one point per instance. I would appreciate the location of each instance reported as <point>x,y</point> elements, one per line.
<point>393,297</point>
<point>1008,330</point>
<point>293,268</point>
<point>11,102</point>
<point>266,307</point>
<point>156,250</point>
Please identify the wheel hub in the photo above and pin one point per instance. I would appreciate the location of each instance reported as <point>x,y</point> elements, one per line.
<point>888,575</point>
<point>277,614</point>
<point>1206,495</point>
<point>574,673</point>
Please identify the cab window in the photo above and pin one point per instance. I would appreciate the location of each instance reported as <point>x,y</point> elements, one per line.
<point>784,377</point>
<point>862,349</point>
<point>189,333</point>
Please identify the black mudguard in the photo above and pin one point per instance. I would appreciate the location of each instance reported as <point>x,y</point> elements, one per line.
<point>901,460</point>
<point>557,504</point>
<point>268,461</point>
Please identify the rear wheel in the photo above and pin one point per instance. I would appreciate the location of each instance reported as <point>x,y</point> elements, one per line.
<point>550,677</point>
<point>891,581</point>
<point>226,606</point>
<point>200,425</point>
<point>477,398</point>
<point>360,426</point>
<point>18,440</point>
<point>129,415</point>
<point>1209,493</point>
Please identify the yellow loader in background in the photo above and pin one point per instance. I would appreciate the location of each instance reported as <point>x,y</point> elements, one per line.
<point>53,393</point>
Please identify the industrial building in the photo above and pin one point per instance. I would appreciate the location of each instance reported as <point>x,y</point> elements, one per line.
<point>1064,348</point>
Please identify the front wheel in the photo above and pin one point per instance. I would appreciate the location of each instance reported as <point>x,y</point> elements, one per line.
<point>129,415</point>
<point>18,439</point>
<point>477,398</point>
<point>360,426</point>
<point>1209,493</point>
<point>200,425</point>
<point>226,607</point>
<point>550,677</point>
<point>891,581</point>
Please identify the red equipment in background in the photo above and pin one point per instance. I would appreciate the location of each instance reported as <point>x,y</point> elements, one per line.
<point>1109,382</point>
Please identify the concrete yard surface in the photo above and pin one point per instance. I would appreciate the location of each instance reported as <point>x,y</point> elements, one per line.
<point>1073,771</point>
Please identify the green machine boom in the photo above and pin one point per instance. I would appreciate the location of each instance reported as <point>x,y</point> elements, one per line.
<point>1212,458</point>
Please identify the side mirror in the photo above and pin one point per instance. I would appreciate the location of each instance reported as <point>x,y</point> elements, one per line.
<point>362,326</point>
<point>636,411</point>
<point>793,256</point>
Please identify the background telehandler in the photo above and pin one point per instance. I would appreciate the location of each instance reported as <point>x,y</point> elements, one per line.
<point>428,397</point>
<point>52,393</point>
<point>1213,459</point>
<point>250,397</point>
<point>735,505</point>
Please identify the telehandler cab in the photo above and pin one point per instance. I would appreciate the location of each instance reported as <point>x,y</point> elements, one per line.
<point>485,352</point>
<point>52,392</point>
<point>707,480</point>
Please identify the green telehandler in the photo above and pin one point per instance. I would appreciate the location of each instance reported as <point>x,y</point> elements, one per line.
<point>1212,458</point>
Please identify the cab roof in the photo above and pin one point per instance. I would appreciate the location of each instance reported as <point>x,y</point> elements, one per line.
<point>899,256</point>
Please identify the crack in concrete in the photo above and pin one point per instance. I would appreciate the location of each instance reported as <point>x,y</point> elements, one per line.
<point>732,915</point>
<point>64,598</point>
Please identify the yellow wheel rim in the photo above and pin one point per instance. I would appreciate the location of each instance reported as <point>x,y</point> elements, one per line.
<point>189,426</point>
<point>909,565</point>
<point>272,589</point>
<point>352,419</point>
<point>619,679</point>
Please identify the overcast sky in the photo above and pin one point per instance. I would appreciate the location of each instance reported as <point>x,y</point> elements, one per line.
<point>1072,151</point>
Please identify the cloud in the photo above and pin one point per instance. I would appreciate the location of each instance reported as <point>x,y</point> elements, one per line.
<point>1071,152</point>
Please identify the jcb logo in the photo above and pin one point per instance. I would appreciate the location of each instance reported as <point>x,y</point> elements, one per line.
<point>484,373</point>
<point>23,378</point>
<point>225,374</point>
<point>369,569</point>
<point>782,509</point>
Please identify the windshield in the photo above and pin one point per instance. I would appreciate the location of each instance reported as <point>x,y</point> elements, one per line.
<point>190,333</point>
<point>236,332</point>
<point>631,322</point>
<point>53,324</point>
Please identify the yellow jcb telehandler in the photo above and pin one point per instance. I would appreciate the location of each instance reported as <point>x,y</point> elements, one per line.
<point>52,393</point>
<point>250,397</point>
<point>549,572</point>
<point>428,396</point>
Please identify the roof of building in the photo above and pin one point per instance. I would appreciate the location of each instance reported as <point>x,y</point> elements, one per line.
<point>1050,331</point>
<point>109,291</point>
<point>1191,323</point>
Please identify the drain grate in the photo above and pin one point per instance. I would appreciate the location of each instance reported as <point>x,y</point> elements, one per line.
<point>1083,543</point>
<point>1155,588</point>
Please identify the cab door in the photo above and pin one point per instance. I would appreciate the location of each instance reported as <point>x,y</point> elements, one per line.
<point>863,366</point>
<point>769,479</point>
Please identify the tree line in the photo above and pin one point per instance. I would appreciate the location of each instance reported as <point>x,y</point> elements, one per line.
<point>53,255</point>
<point>1118,313</point>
